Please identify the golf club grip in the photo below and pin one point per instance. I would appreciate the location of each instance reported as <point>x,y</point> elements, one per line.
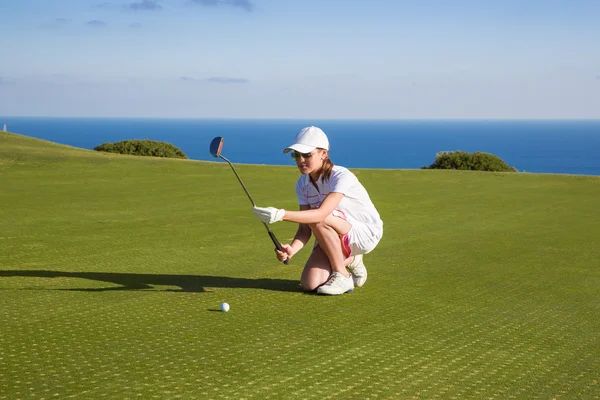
<point>277,245</point>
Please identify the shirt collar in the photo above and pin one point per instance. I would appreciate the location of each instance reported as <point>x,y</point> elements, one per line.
<point>307,180</point>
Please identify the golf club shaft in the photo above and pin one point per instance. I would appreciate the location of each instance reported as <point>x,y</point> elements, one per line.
<point>240,180</point>
<point>271,234</point>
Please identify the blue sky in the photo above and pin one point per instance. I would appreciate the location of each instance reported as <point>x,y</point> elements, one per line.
<point>427,59</point>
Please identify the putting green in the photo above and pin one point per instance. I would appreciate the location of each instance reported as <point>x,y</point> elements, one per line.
<point>112,269</point>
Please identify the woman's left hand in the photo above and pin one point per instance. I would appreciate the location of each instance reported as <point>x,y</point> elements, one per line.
<point>268,215</point>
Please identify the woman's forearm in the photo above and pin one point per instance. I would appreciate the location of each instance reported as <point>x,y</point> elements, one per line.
<point>315,215</point>
<point>302,237</point>
<point>305,216</point>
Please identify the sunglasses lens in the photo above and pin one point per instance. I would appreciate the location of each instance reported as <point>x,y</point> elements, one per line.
<point>296,155</point>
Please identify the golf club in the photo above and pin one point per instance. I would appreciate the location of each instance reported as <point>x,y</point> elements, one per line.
<point>216,146</point>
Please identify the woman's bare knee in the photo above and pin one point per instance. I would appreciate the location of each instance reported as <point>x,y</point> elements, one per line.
<point>316,271</point>
<point>318,226</point>
<point>331,224</point>
<point>308,286</point>
<point>311,281</point>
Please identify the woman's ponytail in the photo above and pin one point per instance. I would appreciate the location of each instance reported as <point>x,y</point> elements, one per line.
<point>326,169</point>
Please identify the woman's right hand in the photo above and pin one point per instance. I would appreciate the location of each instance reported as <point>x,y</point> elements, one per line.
<point>287,253</point>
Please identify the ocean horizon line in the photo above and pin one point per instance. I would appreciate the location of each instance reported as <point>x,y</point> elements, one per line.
<point>570,120</point>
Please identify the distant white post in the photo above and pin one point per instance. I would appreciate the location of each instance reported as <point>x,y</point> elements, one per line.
<point>5,128</point>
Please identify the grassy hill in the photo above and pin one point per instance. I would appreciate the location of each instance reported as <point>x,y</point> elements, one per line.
<point>112,269</point>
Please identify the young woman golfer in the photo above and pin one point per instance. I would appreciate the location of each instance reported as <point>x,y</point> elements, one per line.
<point>336,208</point>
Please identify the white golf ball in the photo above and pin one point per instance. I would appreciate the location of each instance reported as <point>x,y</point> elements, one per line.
<point>224,307</point>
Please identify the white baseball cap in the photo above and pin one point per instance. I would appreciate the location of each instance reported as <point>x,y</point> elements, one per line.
<point>308,139</point>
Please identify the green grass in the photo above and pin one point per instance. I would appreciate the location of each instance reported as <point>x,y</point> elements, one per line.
<point>112,269</point>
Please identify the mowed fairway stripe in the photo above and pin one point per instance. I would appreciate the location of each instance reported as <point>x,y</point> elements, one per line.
<point>112,269</point>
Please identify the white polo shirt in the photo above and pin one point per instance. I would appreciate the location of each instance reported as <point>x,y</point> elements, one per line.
<point>356,202</point>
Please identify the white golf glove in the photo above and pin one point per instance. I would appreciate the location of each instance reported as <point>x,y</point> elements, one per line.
<point>269,215</point>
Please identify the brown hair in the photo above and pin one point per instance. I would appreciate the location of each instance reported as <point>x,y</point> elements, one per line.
<point>326,168</point>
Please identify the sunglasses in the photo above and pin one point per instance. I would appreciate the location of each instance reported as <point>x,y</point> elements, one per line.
<point>296,155</point>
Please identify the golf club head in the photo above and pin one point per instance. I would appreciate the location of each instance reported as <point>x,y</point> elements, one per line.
<point>216,146</point>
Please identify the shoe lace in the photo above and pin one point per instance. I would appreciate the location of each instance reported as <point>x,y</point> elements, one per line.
<point>332,279</point>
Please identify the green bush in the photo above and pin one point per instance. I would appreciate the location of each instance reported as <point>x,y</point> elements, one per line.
<point>477,161</point>
<point>142,148</point>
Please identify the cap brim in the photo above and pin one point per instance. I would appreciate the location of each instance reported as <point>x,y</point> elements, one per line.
<point>301,148</point>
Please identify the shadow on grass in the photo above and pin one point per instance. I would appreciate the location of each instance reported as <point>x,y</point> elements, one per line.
<point>187,283</point>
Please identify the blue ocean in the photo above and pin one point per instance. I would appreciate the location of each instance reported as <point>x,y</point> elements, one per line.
<point>564,147</point>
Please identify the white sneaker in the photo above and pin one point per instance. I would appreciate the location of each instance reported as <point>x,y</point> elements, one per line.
<point>358,270</point>
<point>336,284</point>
